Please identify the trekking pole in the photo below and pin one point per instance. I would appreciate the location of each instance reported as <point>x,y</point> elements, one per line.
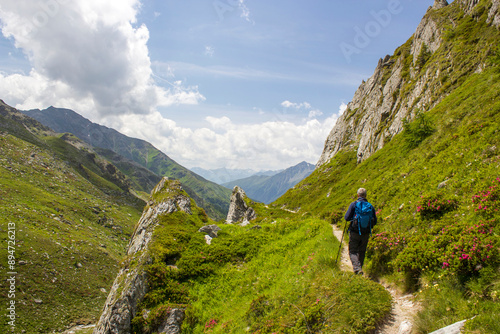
<point>338,254</point>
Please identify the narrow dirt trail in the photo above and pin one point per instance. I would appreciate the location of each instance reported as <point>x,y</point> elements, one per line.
<point>404,307</point>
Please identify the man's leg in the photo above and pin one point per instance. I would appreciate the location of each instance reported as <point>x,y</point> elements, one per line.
<point>354,254</point>
<point>362,247</point>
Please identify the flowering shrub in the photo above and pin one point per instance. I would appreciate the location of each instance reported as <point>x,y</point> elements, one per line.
<point>422,252</point>
<point>383,248</point>
<point>476,247</point>
<point>209,325</point>
<point>487,200</point>
<point>458,248</point>
<point>432,206</point>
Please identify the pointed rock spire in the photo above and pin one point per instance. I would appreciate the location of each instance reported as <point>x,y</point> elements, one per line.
<point>438,4</point>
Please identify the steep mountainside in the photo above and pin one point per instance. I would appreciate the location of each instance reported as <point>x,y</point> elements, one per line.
<point>267,189</point>
<point>429,66</point>
<point>210,196</point>
<point>422,136</point>
<point>72,215</point>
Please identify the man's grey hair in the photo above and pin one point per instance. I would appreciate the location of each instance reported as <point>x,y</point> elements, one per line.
<point>362,192</point>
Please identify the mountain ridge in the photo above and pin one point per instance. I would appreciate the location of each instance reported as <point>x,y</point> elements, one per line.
<point>208,195</point>
<point>267,189</point>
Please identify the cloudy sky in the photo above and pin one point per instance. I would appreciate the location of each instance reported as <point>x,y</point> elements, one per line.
<point>252,84</point>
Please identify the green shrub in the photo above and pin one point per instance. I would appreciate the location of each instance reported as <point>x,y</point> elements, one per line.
<point>415,132</point>
<point>435,205</point>
<point>487,200</point>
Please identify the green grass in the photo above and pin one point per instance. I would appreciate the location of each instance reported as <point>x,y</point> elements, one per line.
<point>280,278</point>
<point>62,222</point>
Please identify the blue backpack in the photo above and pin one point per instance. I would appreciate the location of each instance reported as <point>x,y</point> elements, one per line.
<point>363,216</point>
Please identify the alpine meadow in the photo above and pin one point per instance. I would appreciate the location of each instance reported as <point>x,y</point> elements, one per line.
<point>114,237</point>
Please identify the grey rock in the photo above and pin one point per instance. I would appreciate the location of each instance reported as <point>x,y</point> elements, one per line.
<point>245,223</point>
<point>131,283</point>
<point>208,239</point>
<point>456,328</point>
<point>211,230</point>
<point>493,15</point>
<point>405,327</point>
<point>239,211</point>
<point>438,4</point>
<point>144,229</point>
<point>443,184</point>
<point>173,323</point>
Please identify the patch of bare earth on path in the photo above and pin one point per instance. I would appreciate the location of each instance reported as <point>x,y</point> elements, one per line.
<point>404,307</point>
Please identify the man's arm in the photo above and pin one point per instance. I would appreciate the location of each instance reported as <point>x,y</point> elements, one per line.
<point>349,215</point>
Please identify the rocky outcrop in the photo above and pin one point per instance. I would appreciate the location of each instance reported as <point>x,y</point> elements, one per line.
<point>210,230</point>
<point>438,4</point>
<point>469,7</point>
<point>144,229</point>
<point>130,286</point>
<point>400,87</point>
<point>239,210</point>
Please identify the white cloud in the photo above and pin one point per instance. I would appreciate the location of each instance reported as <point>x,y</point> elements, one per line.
<point>90,51</point>
<point>315,113</point>
<point>303,105</point>
<point>209,51</point>
<point>342,108</point>
<point>245,12</point>
<point>268,145</point>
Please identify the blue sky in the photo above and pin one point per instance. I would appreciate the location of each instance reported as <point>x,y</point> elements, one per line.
<point>214,83</point>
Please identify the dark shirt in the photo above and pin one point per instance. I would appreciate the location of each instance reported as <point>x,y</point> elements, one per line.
<point>349,215</point>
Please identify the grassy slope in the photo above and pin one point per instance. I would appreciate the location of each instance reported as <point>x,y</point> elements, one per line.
<point>280,278</point>
<point>61,220</point>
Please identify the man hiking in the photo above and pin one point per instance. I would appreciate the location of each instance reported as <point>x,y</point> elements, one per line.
<point>362,218</point>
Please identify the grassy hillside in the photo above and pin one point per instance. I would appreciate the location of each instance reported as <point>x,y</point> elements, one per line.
<point>437,193</point>
<point>69,235</point>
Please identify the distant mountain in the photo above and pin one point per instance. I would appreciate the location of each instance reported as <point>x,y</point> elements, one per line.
<point>120,148</point>
<point>224,175</point>
<point>266,188</point>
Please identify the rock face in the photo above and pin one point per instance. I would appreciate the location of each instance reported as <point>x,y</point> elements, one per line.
<point>438,4</point>
<point>469,7</point>
<point>130,286</point>
<point>173,323</point>
<point>398,89</point>
<point>239,210</point>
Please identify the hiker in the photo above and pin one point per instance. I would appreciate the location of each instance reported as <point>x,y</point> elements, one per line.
<point>363,213</point>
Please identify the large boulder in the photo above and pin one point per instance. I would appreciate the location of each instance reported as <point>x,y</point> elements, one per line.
<point>239,210</point>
